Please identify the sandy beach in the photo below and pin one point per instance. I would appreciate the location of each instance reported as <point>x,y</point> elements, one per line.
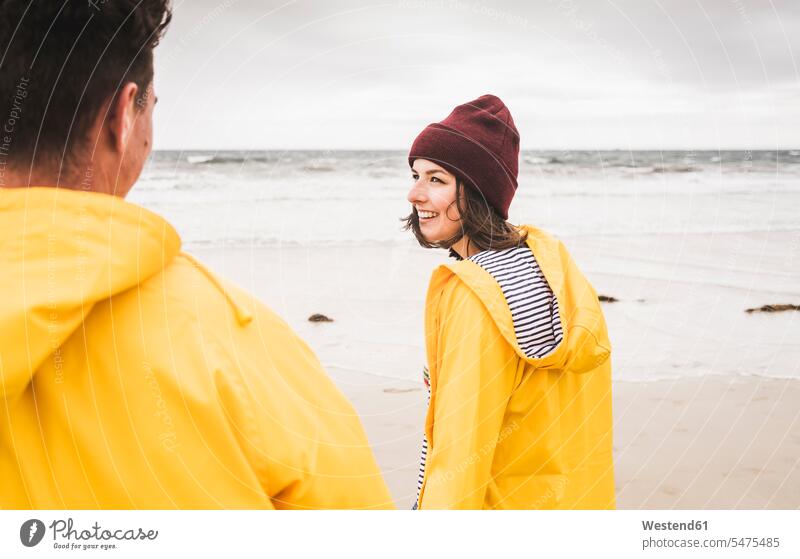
<point>711,443</point>
<point>705,394</point>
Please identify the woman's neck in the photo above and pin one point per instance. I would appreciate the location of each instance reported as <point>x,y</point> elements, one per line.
<point>464,248</point>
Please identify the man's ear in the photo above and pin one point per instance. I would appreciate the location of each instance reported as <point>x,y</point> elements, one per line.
<point>123,116</point>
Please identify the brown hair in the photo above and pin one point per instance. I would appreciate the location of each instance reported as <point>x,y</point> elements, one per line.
<point>63,61</point>
<point>484,228</point>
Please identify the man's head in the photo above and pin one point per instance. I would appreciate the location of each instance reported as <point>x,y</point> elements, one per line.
<point>76,90</point>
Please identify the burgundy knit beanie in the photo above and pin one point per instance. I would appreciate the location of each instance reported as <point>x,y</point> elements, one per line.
<point>479,143</point>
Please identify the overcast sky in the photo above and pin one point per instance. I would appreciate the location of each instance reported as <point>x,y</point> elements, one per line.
<point>593,74</point>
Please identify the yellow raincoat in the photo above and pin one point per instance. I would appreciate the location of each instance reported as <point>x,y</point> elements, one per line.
<point>505,431</point>
<point>132,377</point>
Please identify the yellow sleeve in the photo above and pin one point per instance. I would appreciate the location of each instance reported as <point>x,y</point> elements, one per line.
<point>341,470</point>
<point>472,381</point>
<point>302,437</point>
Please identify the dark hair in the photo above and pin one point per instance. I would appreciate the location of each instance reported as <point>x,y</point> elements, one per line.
<point>480,223</point>
<point>63,60</point>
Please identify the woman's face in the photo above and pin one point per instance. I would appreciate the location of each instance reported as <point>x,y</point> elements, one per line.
<point>433,195</point>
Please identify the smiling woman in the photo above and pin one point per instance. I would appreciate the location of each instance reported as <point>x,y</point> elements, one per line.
<point>518,370</point>
<point>448,214</point>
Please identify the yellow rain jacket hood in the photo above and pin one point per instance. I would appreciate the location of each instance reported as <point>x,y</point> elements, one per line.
<point>505,430</point>
<point>131,377</point>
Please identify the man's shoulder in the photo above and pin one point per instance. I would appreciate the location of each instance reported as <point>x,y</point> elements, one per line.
<point>188,290</point>
<point>234,331</point>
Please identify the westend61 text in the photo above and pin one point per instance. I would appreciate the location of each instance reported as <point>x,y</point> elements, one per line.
<point>692,525</point>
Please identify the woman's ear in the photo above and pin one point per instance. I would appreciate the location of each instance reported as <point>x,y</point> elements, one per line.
<point>123,116</point>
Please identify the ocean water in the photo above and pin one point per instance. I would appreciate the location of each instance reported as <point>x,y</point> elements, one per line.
<point>685,241</point>
<point>304,197</point>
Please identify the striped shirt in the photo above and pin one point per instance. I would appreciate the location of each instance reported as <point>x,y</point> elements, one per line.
<point>534,308</point>
<point>534,311</point>
<point>426,377</point>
